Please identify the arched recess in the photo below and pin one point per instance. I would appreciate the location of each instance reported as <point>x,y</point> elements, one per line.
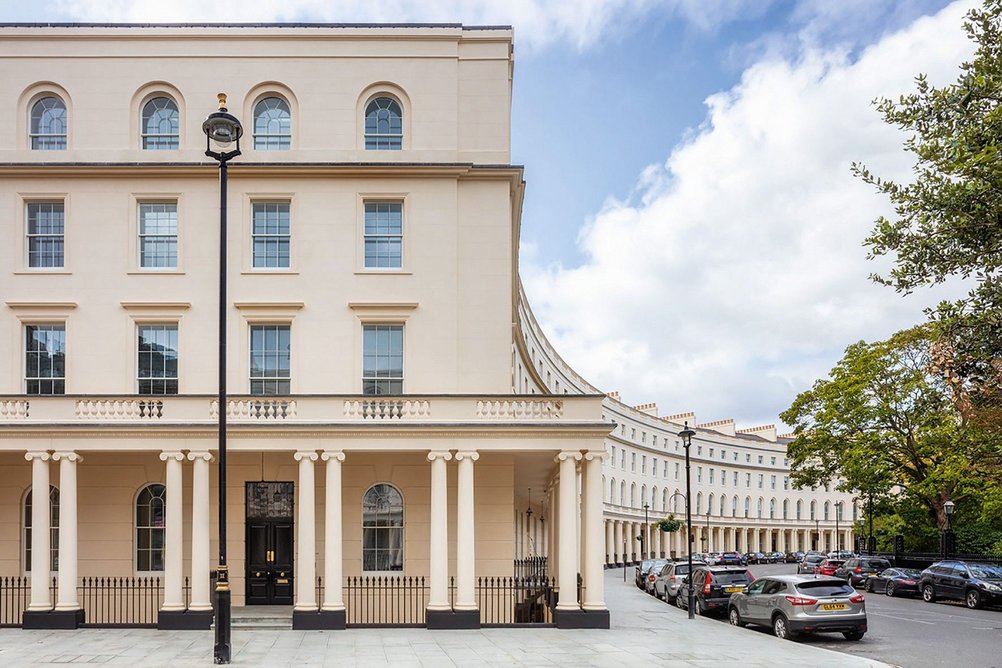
<point>28,97</point>
<point>383,514</point>
<point>147,92</point>
<point>27,529</point>
<point>270,89</point>
<point>149,520</point>
<point>384,89</point>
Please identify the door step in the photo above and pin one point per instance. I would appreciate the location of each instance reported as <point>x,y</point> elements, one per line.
<point>262,617</point>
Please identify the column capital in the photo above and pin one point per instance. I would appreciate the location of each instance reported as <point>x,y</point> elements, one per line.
<point>176,455</point>
<point>591,456</point>
<point>42,455</point>
<point>68,455</point>
<point>567,454</point>
<point>332,454</point>
<point>439,454</point>
<point>472,455</point>
<point>306,454</point>
<point>203,455</point>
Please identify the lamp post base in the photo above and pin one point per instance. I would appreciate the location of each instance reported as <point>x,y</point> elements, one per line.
<point>221,650</point>
<point>581,619</point>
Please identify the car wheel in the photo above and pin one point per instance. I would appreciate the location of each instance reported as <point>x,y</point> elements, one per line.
<point>889,590</point>
<point>781,628</point>
<point>973,599</point>
<point>700,608</point>
<point>734,617</point>
<point>869,586</point>
<point>853,635</point>
<point>678,602</point>
<point>928,594</point>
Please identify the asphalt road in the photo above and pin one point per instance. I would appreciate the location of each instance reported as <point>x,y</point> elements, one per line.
<point>911,633</point>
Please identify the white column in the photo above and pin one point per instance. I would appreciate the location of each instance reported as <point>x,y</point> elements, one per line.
<point>610,542</point>
<point>173,547</point>
<point>591,524</point>
<point>306,524</point>
<point>200,563</point>
<point>466,592</point>
<point>617,540</point>
<point>553,561</point>
<point>66,598</point>
<point>438,595</point>
<point>567,573</point>
<point>41,598</point>
<point>333,597</point>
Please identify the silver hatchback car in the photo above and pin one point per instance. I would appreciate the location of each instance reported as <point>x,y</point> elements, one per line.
<point>793,604</point>
<point>670,578</point>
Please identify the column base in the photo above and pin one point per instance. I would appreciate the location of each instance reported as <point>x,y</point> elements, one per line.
<point>452,619</point>
<point>319,620</point>
<point>184,620</point>
<point>52,619</point>
<point>581,619</point>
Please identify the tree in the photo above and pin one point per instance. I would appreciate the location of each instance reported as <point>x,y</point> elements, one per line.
<point>884,423</point>
<point>949,219</point>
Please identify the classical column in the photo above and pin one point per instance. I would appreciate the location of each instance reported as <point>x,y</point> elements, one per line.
<point>610,543</point>
<point>591,523</point>
<point>333,598</point>
<point>466,598</point>
<point>617,541</point>
<point>174,532</point>
<point>306,554</point>
<point>553,560</point>
<point>567,573</point>
<point>66,598</point>
<point>438,597</point>
<point>41,598</point>
<point>201,565</point>
<point>580,525</point>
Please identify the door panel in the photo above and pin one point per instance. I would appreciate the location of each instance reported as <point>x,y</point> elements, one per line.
<point>269,548</point>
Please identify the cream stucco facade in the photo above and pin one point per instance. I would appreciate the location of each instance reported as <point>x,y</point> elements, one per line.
<point>485,420</point>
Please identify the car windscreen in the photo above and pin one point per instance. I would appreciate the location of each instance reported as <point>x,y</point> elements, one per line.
<point>814,558</point>
<point>824,588</point>
<point>682,569</point>
<point>985,571</point>
<point>875,563</point>
<point>731,577</point>
<point>911,572</point>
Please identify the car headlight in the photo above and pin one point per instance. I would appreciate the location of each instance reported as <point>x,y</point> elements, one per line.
<point>992,587</point>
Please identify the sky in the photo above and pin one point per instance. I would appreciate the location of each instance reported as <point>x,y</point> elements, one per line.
<point>692,234</point>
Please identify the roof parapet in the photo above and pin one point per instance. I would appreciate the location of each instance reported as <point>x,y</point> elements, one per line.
<point>766,431</point>
<point>719,426</point>
<point>681,418</point>
<point>614,395</point>
<point>650,409</point>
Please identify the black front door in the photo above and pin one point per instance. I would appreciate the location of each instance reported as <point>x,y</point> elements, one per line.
<point>270,532</point>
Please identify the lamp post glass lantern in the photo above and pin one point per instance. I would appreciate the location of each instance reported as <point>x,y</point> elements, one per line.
<point>686,435</point>
<point>222,128</point>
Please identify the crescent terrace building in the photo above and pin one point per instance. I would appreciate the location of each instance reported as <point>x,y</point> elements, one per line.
<point>404,445</point>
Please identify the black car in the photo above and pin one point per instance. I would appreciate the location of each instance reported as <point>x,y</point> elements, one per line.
<point>643,569</point>
<point>856,570</point>
<point>793,557</point>
<point>976,585</point>
<point>731,559</point>
<point>895,582</point>
<point>714,586</point>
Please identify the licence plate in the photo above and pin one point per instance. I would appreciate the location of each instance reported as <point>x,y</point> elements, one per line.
<point>731,590</point>
<point>834,606</point>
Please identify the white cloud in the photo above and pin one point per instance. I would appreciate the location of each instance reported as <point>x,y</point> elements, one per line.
<point>735,274</point>
<point>537,23</point>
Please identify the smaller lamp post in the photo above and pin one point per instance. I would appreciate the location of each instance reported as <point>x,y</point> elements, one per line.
<point>644,547</point>
<point>838,535</point>
<point>624,557</point>
<point>949,507</point>
<point>817,534</point>
<point>686,434</point>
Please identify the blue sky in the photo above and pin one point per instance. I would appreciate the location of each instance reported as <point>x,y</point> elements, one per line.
<point>691,233</point>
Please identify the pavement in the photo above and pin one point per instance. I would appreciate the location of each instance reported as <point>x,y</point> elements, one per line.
<point>645,632</point>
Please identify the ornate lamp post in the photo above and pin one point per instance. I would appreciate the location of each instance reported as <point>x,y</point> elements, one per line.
<point>222,128</point>
<point>838,536</point>
<point>949,507</point>
<point>643,535</point>
<point>686,434</point>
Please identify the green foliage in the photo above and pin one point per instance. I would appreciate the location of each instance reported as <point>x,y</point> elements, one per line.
<point>949,219</point>
<point>669,524</point>
<point>884,425</point>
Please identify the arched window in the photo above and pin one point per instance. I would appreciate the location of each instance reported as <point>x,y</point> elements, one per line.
<point>709,504</point>
<point>383,125</point>
<point>772,509</point>
<point>800,509</point>
<point>814,510</point>
<point>612,491</point>
<point>827,509</point>
<point>643,496</point>
<point>786,509</point>
<point>760,506</point>
<point>723,505</point>
<point>699,503</point>
<point>382,529</point>
<point>633,495</point>
<point>654,498</point>
<point>664,500</point>
<point>272,125</point>
<point>678,501</point>
<point>160,129</point>
<point>151,522</point>
<point>734,507</point>
<point>622,493</point>
<point>48,124</point>
<point>747,505</point>
<point>53,530</point>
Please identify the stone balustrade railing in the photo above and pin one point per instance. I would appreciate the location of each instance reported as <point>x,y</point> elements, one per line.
<point>310,409</point>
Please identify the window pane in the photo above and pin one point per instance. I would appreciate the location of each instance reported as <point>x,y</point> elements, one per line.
<point>270,231</point>
<point>158,235</point>
<point>382,359</point>
<point>383,125</point>
<point>161,125</point>
<point>270,359</point>
<point>48,125</point>
<point>45,359</point>
<point>45,234</point>
<point>157,350</point>
<point>272,125</point>
<point>383,234</point>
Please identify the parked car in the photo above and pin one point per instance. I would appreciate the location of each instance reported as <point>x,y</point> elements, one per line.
<point>857,569</point>
<point>829,566</point>
<point>643,569</point>
<point>793,604</point>
<point>793,557</point>
<point>976,585</point>
<point>670,577</point>
<point>751,557</point>
<point>712,558</point>
<point>778,557</point>
<point>651,573</point>
<point>895,581</point>
<point>714,587</point>
<point>731,559</point>
<point>810,563</point>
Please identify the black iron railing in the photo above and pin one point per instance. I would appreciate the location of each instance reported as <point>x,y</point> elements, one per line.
<point>120,602</point>
<point>394,600</point>
<point>508,601</point>
<point>530,567</point>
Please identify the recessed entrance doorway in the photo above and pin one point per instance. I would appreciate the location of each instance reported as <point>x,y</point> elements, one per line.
<point>269,540</point>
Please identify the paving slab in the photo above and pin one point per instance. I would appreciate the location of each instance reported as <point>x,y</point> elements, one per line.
<point>645,632</point>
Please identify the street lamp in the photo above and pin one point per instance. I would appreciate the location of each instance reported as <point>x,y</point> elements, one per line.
<point>838,536</point>
<point>817,534</point>
<point>686,434</point>
<point>222,128</point>
<point>706,539</point>
<point>949,507</point>
<point>643,534</point>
